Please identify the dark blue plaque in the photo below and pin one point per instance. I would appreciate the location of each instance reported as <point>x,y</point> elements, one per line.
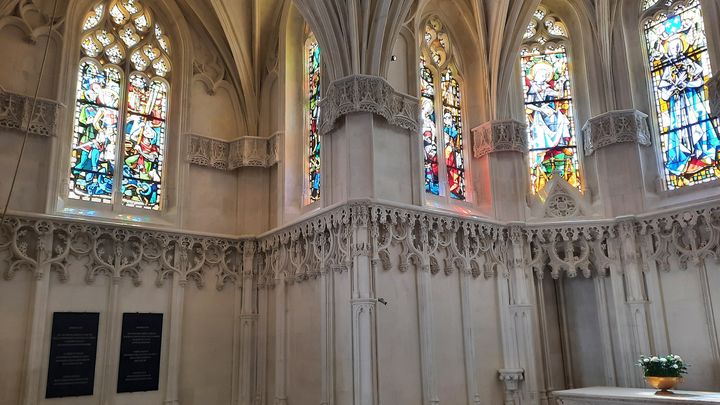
<point>140,352</point>
<point>73,348</point>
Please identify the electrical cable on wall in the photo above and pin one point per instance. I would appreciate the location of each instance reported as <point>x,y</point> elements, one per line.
<point>32,112</point>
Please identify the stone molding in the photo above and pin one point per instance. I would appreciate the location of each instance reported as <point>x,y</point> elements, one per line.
<point>615,127</point>
<point>439,244</point>
<point>499,136</point>
<point>16,111</point>
<point>363,93</point>
<point>247,151</point>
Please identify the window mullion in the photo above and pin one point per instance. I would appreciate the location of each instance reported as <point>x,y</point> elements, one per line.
<point>440,136</point>
<point>120,144</point>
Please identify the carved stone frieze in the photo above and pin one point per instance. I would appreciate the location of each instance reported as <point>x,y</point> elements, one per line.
<point>248,151</point>
<point>362,93</point>
<point>391,237</point>
<point>44,245</point>
<point>16,112</point>
<point>499,136</point>
<point>615,127</point>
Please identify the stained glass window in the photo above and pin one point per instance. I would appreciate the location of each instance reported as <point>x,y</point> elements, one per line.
<point>445,171</point>
<point>121,84</point>
<point>312,92</point>
<point>427,104</point>
<point>453,130</point>
<point>548,102</point>
<point>680,68</point>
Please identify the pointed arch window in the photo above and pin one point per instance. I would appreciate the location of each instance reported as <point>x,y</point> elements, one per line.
<point>441,96</point>
<point>679,67</point>
<point>311,79</point>
<point>121,107</point>
<point>549,110</point>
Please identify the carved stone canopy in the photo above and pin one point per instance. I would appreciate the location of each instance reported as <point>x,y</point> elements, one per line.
<point>499,136</point>
<point>248,151</point>
<point>362,93</point>
<point>615,127</point>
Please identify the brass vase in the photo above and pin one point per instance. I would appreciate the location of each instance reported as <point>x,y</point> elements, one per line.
<point>663,384</point>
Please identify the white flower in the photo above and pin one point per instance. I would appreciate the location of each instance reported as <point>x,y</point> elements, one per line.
<point>663,360</point>
<point>676,357</point>
<point>646,360</point>
<point>675,366</point>
<point>654,359</point>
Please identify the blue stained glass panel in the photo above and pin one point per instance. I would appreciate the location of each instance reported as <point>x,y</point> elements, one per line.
<point>680,68</point>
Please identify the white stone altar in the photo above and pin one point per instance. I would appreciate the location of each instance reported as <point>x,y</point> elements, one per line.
<point>616,395</point>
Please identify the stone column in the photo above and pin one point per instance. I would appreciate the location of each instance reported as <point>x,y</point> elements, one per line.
<point>363,303</point>
<point>500,149</point>
<point>248,321</point>
<point>34,349</point>
<point>614,145</point>
<point>520,334</point>
<point>635,296</point>
<point>714,87</point>
<point>364,122</point>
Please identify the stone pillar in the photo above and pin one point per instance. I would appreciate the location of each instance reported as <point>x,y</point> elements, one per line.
<point>248,321</point>
<point>520,334</point>
<point>636,301</point>
<point>613,144</point>
<point>363,303</point>
<point>364,122</point>
<point>34,348</point>
<point>500,149</point>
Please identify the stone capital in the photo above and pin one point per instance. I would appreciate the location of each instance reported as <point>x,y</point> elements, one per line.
<point>363,93</point>
<point>615,127</point>
<point>499,136</point>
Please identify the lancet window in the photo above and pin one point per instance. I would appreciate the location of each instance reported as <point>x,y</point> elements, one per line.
<point>121,107</point>
<point>548,97</point>
<point>311,79</point>
<point>441,96</point>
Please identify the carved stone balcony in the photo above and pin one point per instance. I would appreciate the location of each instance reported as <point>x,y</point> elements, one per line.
<point>499,136</point>
<point>615,127</point>
<point>16,112</point>
<point>362,93</point>
<point>248,151</point>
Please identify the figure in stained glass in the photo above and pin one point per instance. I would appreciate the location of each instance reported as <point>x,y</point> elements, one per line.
<point>436,72</point>
<point>96,124</point>
<point>548,103</point>
<point>111,31</point>
<point>312,85</point>
<point>427,104</point>
<point>680,67</point>
<point>452,127</point>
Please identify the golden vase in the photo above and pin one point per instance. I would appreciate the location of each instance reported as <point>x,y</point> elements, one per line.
<point>663,384</point>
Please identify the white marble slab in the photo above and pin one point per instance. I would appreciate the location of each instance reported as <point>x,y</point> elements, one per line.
<point>616,395</point>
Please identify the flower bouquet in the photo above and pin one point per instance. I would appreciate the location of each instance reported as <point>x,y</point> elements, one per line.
<point>663,373</point>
